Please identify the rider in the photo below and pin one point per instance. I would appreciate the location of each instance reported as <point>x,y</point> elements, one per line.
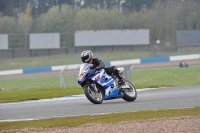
<point>87,57</point>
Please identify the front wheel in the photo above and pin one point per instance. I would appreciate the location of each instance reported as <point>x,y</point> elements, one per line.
<point>93,96</point>
<point>130,94</point>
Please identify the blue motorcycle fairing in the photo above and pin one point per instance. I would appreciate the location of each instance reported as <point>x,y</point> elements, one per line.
<point>85,74</point>
<point>108,83</point>
<point>103,79</point>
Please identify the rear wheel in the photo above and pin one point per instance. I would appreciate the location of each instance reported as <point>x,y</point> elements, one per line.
<point>130,94</point>
<point>95,97</point>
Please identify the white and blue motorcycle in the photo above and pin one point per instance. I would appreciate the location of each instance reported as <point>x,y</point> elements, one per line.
<point>99,86</point>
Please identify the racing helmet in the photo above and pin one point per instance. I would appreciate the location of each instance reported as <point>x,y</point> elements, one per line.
<point>86,56</point>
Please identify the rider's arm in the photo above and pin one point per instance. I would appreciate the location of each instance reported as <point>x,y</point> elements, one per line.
<point>98,64</point>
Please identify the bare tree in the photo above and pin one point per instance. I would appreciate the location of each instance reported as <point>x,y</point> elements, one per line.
<point>25,23</point>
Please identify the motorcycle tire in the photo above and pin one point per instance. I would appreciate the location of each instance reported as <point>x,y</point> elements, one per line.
<point>92,95</point>
<point>131,93</point>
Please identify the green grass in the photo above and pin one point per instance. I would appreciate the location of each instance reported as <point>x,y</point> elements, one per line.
<point>32,62</point>
<point>100,119</point>
<point>36,82</point>
<point>48,87</point>
<point>166,77</point>
<point>36,94</point>
<point>31,83</point>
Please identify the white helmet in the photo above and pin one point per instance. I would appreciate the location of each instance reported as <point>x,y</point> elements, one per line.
<point>86,56</point>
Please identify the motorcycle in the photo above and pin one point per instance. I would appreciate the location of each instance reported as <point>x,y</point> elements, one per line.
<point>183,64</point>
<point>99,86</point>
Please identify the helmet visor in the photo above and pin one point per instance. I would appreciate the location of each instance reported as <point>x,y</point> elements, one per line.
<point>85,59</point>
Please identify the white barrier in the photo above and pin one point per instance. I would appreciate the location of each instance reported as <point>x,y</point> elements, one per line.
<point>112,63</point>
<point>11,72</point>
<point>125,62</point>
<point>184,57</point>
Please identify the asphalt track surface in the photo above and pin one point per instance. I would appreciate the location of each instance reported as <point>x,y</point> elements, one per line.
<point>148,99</point>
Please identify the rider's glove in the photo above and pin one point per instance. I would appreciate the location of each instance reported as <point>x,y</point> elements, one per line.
<point>94,70</point>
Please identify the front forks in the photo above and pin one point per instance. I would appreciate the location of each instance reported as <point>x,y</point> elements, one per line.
<point>92,86</point>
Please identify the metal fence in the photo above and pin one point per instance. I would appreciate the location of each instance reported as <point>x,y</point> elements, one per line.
<point>22,41</point>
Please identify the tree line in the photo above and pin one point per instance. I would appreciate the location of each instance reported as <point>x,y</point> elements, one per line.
<point>163,18</point>
<point>14,7</point>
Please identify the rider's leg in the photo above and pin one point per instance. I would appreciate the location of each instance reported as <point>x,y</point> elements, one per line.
<point>113,69</point>
<point>108,70</point>
<point>118,75</point>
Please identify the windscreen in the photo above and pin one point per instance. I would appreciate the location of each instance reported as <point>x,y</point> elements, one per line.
<point>83,67</point>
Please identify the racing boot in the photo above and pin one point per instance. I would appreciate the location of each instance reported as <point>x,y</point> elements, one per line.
<point>121,81</point>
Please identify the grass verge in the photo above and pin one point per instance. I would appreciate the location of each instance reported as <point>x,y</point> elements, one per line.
<point>100,119</point>
<point>36,94</point>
